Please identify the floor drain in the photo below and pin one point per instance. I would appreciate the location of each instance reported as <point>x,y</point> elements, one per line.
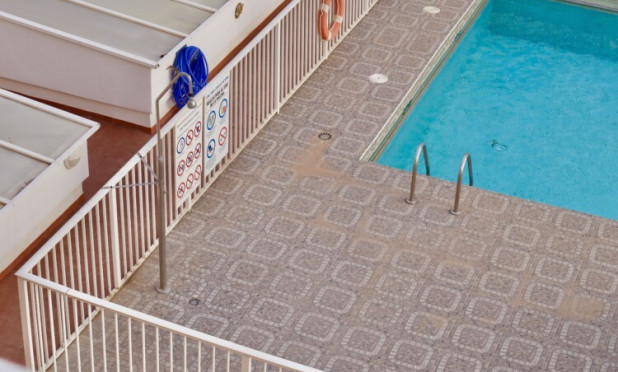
<point>378,78</point>
<point>325,136</point>
<point>431,9</point>
<point>194,302</point>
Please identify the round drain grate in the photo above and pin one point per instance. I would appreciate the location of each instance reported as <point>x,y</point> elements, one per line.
<point>194,302</point>
<point>324,136</point>
<point>378,78</point>
<point>431,9</point>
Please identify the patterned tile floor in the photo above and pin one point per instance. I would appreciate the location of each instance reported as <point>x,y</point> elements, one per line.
<point>301,250</point>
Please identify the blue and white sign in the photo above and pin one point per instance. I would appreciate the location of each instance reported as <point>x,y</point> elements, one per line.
<point>216,133</point>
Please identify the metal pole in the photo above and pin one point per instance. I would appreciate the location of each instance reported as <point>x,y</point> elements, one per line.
<point>466,159</point>
<point>161,205</point>
<point>410,199</point>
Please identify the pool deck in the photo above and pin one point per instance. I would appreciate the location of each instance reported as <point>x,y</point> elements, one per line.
<point>302,250</point>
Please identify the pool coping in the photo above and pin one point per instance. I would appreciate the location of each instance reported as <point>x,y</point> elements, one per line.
<point>422,81</point>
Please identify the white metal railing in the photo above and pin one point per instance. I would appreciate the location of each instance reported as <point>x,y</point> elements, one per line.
<point>66,286</point>
<point>116,338</point>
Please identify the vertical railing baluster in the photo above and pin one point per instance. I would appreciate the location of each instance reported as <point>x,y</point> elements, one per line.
<point>114,231</point>
<point>117,342</point>
<point>107,248</point>
<point>26,321</point>
<point>52,329</point>
<point>104,343</point>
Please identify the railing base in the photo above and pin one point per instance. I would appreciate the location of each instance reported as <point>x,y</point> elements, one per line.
<point>162,290</point>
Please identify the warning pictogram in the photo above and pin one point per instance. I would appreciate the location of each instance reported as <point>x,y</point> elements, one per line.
<point>190,180</point>
<point>190,159</point>
<point>198,128</point>
<point>212,117</point>
<point>180,145</point>
<point>180,169</point>
<point>190,136</point>
<point>210,151</point>
<point>181,190</point>
<point>223,108</point>
<point>222,136</point>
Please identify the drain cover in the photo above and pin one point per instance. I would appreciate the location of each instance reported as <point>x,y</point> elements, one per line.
<point>378,78</point>
<point>431,9</point>
<point>324,136</point>
<point>497,146</point>
<point>194,302</point>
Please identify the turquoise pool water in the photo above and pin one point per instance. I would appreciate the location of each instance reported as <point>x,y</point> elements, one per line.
<point>531,91</point>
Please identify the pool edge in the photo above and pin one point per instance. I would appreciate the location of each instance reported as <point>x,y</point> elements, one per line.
<point>447,45</point>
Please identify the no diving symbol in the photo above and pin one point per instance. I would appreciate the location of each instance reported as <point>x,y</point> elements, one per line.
<point>181,168</point>
<point>190,136</point>
<point>222,136</point>
<point>181,190</point>
<point>190,158</point>
<point>210,151</point>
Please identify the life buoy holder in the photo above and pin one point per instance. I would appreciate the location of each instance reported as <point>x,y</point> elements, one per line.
<point>328,31</point>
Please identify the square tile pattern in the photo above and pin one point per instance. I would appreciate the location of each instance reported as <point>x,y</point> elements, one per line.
<point>303,251</point>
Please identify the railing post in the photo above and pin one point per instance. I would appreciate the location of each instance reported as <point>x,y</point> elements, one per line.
<point>26,326</point>
<point>420,148</point>
<point>466,159</point>
<point>115,238</point>
<point>278,66</point>
<point>245,364</point>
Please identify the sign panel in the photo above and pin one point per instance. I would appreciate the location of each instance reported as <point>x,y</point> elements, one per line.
<point>216,130</point>
<point>201,137</point>
<point>189,146</point>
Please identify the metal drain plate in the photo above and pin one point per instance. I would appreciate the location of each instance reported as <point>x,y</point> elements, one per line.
<point>378,78</point>
<point>194,301</point>
<point>431,9</point>
<point>325,136</point>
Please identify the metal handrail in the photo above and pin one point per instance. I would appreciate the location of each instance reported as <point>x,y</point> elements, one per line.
<point>420,147</point>
<point>466,159</point>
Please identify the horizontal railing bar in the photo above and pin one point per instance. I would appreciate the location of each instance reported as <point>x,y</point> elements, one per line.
<point>166,325</point>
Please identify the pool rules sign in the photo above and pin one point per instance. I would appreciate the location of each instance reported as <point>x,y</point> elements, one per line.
<point>216,128</point>
<point>188,150</point>
<point>202,137</point>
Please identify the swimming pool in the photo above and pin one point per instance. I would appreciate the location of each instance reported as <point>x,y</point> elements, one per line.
<point>531,91</point>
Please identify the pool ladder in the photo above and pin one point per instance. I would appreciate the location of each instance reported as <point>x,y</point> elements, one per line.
<point>466,160</point>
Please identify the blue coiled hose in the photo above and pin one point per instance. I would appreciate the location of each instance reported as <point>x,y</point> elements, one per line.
<point>191,60</point>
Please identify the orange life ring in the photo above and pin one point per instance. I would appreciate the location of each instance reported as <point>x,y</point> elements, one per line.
<point>328,32</point>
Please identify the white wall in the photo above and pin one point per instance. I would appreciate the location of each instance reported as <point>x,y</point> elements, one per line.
<point>37,63</point>
<point>42,65</point>
<point>39,205</point>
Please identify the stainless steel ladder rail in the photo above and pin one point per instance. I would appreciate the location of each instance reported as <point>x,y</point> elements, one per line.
<point>420,148</point>
<point>467,159</point>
